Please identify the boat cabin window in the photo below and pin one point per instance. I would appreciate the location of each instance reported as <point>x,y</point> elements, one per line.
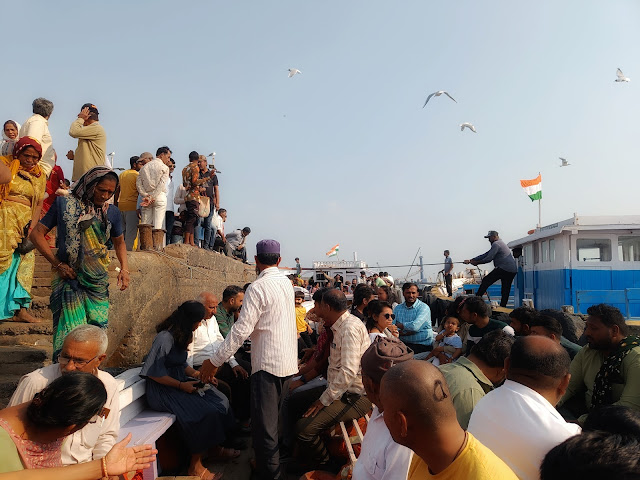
<point>552,250</point>
<point>528,254</point>
<point>629,248</point>
<point>545,251</point>
<point>536,252</point>
<point>593,249</point>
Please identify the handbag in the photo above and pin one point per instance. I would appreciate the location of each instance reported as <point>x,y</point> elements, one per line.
<point>26,245</point>
<point>204,207</point>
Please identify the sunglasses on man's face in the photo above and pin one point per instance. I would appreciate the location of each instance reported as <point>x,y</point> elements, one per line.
<point>391,316</point>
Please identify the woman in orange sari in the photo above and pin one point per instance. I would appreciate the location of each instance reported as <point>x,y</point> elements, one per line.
<point>20,205</point>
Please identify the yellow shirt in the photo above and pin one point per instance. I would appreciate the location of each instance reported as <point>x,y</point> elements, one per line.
<point>301,323</point>
<point>128,198</point>
<point>92,147</point>
<point>475,462</point>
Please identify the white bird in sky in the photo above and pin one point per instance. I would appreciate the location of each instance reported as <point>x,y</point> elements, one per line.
<point>293,71</point>
<point>469,126</point>
<point>437,94</point>
<point>621,77</point>
<point>564,162</point>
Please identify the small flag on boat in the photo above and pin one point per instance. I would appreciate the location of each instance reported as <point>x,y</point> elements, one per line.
<point>533,188</point>
<point>333,251</point>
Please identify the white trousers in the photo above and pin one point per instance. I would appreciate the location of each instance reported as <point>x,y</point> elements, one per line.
<point>154,214</point>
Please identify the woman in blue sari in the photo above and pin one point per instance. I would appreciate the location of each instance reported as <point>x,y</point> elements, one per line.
<point>85,222</point>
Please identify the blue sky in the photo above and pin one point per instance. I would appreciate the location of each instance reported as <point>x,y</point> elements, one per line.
<point>344,153</point>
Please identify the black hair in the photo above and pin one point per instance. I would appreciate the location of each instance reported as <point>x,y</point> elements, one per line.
<point>71,399</point>
<point>614,419</point>
<point>593,456</point>
<point>361,293</point>
<point>172,161</point>
<point>247,230</point>
<point>552,362</point>
<point>133,160</point>
<point>193,156</point>
<point>408,285</point>
<point>475,305</point>
<point>180,322</point>
<point>230,292</point>
<point>335,299</point>
<point>525,315</point>
<point>609,316</point>
<point>298,294</point>
<point>268,258</point>
<point>221,210</point>
<point>548,323</point>
<point>374,307</point>
<point>381,274</point>
<point>164,149</point>
<point>391,296</point>
<point>319,294</point>
<point>447,252</point>
<point>493,348</point>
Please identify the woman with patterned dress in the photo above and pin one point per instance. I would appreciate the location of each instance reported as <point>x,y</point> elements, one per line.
<point>20,205</point>
<point>85,223</point>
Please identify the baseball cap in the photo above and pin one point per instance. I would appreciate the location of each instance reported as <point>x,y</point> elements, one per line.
<point>492,233</point>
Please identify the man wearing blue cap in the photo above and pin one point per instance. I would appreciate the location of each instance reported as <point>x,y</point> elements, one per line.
<point>268,316</point>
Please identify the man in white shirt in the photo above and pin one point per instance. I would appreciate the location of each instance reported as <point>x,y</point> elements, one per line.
<point>344,398</point>
<point>217,224</point>
<point>83,350</point>
<point>206,339</point>
<point>152,186</point>
<point>169,210</point>
<point>518,421</point>
<point>37,126</point>
<point>268,316</point>
<point>381,458</point>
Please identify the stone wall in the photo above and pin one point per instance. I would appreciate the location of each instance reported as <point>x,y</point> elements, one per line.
<point>159,283</point>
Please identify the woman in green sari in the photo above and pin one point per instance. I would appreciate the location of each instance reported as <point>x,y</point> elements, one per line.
<point>85,222</point>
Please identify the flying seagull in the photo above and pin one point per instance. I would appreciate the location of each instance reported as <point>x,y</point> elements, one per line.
<point>469,126</point>
<point>564,162</point>
<point>621,77</point>
<point>437,94</point>
<point>293,71</point>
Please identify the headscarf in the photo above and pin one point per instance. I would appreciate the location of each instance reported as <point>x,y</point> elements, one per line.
<point>6,147</point>
<point>14,165</point>
<point>85,187</point>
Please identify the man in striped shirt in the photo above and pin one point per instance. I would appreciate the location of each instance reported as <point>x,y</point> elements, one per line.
<point>345,398</point>
<point>268,316</point>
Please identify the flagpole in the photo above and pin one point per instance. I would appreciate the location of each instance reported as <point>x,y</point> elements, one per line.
<point>540,213</point>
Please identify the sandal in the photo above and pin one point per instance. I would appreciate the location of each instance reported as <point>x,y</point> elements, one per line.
<point>225,454</point>
<point>216,476</point>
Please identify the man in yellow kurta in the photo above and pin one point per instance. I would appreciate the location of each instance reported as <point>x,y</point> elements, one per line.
<point>92,142</point>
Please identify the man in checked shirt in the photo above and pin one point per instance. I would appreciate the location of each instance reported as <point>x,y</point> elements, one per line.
<point>344,399</point>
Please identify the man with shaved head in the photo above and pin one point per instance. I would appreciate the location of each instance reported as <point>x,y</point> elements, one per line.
<point>518,421</point>
<point>420,415</point>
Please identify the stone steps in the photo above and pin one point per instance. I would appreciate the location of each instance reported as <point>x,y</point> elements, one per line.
<point>18,360</point>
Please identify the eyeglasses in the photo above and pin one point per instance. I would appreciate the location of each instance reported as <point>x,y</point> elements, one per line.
<point>388,316</point>
<point>63,360</point>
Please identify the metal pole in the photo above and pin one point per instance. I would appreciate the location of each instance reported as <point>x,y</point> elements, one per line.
<point>540,213</point>
<point>421,270</point>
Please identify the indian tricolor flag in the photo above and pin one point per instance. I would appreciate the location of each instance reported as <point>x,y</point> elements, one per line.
<point>334,251</point>
<point>533,188</point>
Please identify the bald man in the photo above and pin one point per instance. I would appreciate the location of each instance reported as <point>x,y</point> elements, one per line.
<point>206,340</point>
<point>518,421</point>
<point>420,415</point>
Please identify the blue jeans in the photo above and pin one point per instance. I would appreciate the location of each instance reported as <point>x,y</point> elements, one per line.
<point>209,234</point>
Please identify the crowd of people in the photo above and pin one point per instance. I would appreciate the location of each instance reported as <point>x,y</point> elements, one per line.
<point>97,210</point>
<point>467,397</point>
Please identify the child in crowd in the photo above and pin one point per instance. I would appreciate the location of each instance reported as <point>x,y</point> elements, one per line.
<point>304,330</point>
<point>449,346</point>
<point>178,231</point>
